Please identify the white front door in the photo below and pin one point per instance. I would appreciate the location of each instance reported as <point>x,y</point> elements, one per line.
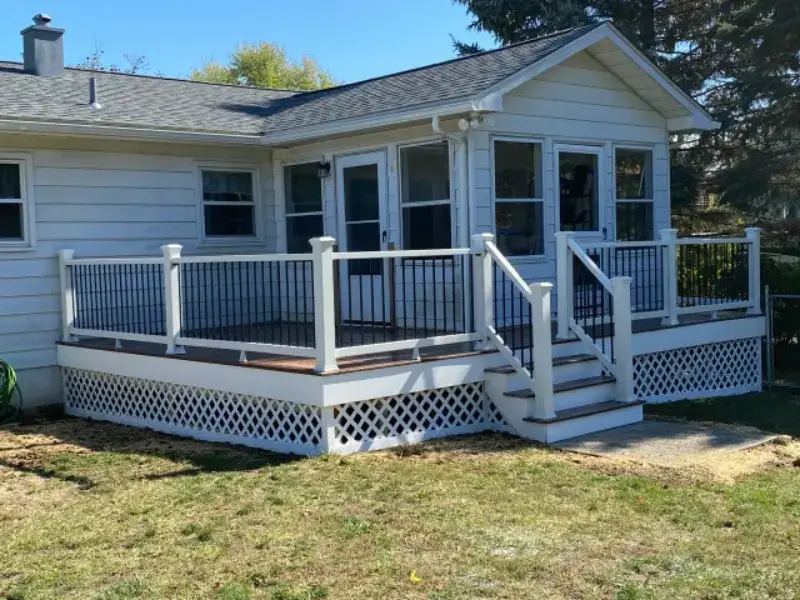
<point>580,171</point>
<point>361,200</point>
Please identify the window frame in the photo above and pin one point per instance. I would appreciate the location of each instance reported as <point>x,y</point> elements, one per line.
<point>257,238</point>
<point>651,200</point>
<point>286,214</point>
<point>451,187</point>
<point>28,240</point>
<point>495,200</point>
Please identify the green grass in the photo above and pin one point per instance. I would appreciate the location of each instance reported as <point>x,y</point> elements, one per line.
<point>778,412</point>
<point>96,511</point>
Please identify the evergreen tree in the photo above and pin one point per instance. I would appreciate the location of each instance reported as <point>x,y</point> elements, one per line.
<point>739,58</point>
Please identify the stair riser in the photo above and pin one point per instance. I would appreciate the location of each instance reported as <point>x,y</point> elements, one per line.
<point>561,373</point>
<point>561,350</point>
<point>585,396</point>
<point>564,430</point>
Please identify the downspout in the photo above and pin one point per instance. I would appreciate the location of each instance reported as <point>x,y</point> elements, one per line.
<point>460,143</point>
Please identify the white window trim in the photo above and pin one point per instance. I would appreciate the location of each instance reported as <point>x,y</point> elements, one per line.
<point>28,241</point>
<point>441,202</point>
<point>288,215</point>
<point>541,200</point>
<point>230,240</point>
<point>651,199</point>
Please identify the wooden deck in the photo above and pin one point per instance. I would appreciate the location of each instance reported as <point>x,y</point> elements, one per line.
<point>348,365</point>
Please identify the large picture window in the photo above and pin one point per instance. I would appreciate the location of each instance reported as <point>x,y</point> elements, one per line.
<point>518,197</point>
<point>229,204</point>
<point>425,196</point>
<point>303,194</point>
<point>13,225</point>
<point>634,191</point>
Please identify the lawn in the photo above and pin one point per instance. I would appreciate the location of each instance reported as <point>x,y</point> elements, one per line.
<point>96,511</point>
<point>778,412</point>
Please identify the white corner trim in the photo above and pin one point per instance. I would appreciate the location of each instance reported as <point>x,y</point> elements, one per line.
<point>702,120</point>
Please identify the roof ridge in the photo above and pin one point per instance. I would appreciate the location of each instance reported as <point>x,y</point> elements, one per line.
<point>588,27</point>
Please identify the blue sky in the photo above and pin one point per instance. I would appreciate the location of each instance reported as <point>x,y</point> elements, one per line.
<point>352,39</point>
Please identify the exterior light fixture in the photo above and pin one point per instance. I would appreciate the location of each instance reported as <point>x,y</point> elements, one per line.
<point>323,170</point>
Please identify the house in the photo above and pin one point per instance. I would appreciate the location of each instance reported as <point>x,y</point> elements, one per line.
<point>490,248</point>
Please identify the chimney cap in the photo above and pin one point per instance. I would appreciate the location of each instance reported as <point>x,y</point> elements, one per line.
<point>42,19</point>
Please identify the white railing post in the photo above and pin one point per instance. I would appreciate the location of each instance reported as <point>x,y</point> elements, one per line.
<point>544,402</point>
<point>172,297</point>
<point>67,295</point>
<point>754,270</point>
<point>670,275</point>
<point>623,337</point>
<point>564,283</point>
<point>482,282</point>
<point>324,305</point>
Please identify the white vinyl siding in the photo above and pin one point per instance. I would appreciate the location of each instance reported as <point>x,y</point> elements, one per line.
<point>102,199</point>
<point>576,102</point>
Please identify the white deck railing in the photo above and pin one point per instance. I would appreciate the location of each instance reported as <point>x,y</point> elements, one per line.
<point>324,305</point>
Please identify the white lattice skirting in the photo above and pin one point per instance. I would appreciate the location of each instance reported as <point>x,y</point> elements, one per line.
<point>287,427</point>
<point>719,369</point>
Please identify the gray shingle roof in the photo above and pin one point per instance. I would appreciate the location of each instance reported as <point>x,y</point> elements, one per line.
<point>132,100</point>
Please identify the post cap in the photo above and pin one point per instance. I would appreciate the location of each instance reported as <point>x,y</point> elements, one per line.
<point>478,241</point>
<point>172,250</point>
<point>322,243</point>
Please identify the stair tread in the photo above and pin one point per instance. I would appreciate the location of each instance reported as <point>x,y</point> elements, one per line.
<point>567,386</point>
<point>585,411</point>
<point>557,362</point>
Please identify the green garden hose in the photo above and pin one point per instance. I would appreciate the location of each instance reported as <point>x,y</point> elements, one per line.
<point>8,385</point>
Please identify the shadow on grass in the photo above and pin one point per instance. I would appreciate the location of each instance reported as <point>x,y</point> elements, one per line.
<point>776,412</point>
<point>101,441</point>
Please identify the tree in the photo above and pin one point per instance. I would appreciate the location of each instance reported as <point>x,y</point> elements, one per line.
<point>265,65</point>
<point>739,58</point>
<point>137,64</point>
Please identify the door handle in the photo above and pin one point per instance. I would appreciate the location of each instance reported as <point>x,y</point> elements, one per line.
<point>384,235</point>
<point>605,233</point>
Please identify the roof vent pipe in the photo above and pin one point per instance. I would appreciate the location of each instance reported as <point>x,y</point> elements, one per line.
<point>93,101</point>
<point>43,48</point>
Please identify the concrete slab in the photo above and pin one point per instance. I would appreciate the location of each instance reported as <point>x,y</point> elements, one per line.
<point>665,442</point>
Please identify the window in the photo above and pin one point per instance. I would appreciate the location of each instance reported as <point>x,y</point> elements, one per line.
<point>13,217</point>
<point>634,177</point>
<point>303,196</point>
<point>519,201</point>
<point>229,205</point>
<point>425,196</point>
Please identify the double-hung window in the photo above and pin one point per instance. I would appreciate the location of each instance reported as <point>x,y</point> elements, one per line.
<point>634,190</point>
<point>518,197</point>
<point>14,213</point>
<point>303,197</point>
<point>425,196</point>
<point>229,204</point>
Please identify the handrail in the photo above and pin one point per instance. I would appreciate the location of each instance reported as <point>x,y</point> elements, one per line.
<point>112,261</point>
<point>229,258</point>
<point>718,240</point>
<point>373,254</point>
<point>509,269</point>
<point>530,356</point>
<point>591,265</point>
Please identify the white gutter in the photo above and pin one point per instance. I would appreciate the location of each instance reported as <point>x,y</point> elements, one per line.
<point>375,121</point>
<point>127,133</point>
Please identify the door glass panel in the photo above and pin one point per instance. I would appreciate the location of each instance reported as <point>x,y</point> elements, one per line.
<point>579,193</point>
<point>361,194</point>
<point>364,237</point>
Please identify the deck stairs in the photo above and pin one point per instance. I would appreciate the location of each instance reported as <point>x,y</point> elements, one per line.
<point>585,397</point>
